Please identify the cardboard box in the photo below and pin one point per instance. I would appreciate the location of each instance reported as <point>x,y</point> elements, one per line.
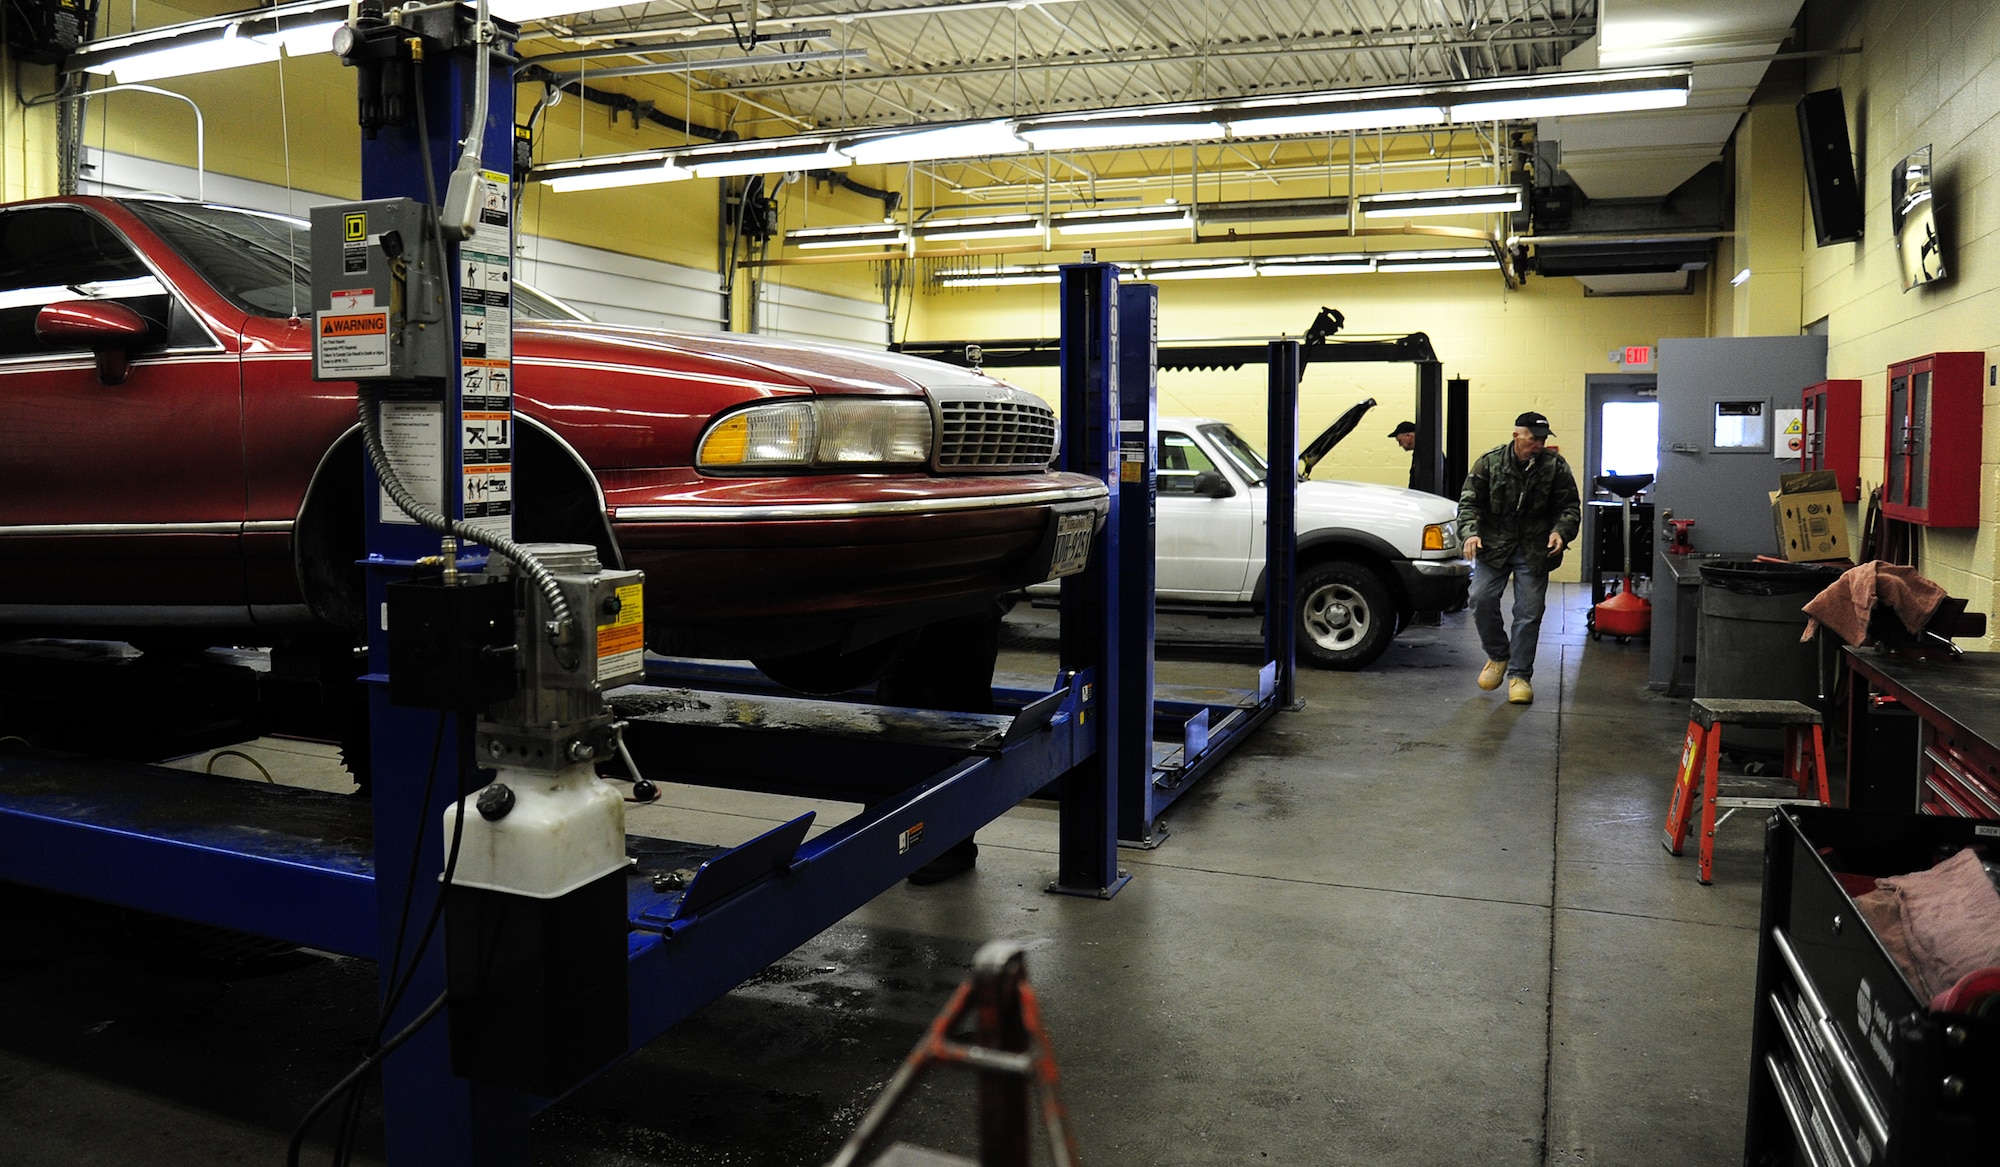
<point>1810,518</point>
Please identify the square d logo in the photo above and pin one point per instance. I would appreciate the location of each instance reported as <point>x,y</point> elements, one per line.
<point>355,227</point>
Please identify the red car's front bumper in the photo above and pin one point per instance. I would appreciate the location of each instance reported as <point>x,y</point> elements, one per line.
<point>741,568</point>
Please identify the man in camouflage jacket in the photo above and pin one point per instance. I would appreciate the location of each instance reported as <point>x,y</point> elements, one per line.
<point>1519,509</point>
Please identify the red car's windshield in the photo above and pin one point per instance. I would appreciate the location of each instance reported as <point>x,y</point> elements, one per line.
<point>263,262</point>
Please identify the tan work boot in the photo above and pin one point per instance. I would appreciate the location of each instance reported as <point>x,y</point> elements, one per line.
<point>1489,676</point>
<point>1520,692</point>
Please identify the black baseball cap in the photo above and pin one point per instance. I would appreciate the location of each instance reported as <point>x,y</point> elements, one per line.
<point>1408,427</point>
<point>1534,423</point>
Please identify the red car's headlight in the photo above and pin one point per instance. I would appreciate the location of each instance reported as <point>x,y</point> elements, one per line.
<point>852,432</point>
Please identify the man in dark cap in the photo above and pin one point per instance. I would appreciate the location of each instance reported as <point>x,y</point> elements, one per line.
<point>1519,509</point>
<point>1405,434</point>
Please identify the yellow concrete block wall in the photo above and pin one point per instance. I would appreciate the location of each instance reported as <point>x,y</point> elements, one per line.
<point>1925,74</point>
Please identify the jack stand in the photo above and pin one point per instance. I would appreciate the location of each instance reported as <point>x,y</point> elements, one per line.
<point>1009,1049</point>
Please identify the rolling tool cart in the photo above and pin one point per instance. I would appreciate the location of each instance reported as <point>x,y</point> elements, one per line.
<point>1851,1066</point>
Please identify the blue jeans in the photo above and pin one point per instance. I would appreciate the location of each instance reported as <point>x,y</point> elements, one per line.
<point>1531,591</point>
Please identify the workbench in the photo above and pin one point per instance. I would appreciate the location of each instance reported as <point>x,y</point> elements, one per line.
<point>1923,733</point>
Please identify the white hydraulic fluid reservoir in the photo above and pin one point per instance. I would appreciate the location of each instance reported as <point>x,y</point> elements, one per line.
<point>536,834</point>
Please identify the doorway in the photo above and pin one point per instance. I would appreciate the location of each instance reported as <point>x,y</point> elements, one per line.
<point>1621,435</point>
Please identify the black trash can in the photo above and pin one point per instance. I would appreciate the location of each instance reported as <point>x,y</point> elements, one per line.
<point>1747,642</point>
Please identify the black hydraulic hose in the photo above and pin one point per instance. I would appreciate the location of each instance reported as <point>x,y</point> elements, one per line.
<point>561,622</point>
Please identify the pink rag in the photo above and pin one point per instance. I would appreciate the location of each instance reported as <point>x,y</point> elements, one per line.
<point>1847,603</point>
<point>1950,921</point>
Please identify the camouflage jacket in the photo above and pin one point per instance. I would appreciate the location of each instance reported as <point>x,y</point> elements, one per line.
<point>1508,505</point>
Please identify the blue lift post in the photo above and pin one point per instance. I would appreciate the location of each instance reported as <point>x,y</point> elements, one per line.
<point>1139,799</point>
<point>430,1115</point>
<point>1090,634</point>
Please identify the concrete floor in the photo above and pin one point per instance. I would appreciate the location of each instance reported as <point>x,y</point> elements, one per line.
<point>1408,924</point>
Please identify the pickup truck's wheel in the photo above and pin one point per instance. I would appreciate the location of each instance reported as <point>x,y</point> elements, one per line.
<point>1344,616</point>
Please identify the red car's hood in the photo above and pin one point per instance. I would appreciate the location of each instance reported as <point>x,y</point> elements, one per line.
<point>815,365</point>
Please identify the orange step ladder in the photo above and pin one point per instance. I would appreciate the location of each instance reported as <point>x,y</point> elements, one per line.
<point>1805,766</point>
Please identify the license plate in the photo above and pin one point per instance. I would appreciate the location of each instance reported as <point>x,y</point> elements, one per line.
<point>1072,543</point>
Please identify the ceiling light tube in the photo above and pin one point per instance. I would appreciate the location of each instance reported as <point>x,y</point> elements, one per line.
<point>1317,265</point>
<point>927,144</point>
<point>1332,117</point>
<point>1457,200</point>
<point>202,53</point>
<point>1554,95</point>
<point>605,173</point>
<point>1200,270</point>
<point>707,64</point>
<point>299,38</point>
<point>1168,218</point>
<point>1097,131</point>
<point>1003,277</point>
<point>981,227</point>
<point>735,159</point>
<point>1437,259</point>
<point>860,235</point>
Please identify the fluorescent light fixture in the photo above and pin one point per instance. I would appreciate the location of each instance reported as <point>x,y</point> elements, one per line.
<point>1740,278</point>
<point>226,48</point>
<point>858,235</point>
<point>1455,200</point>
<point>1557,95</point>
<point>300,38</point>
<point>1168,218</point>
<point>709,64</point>
<point>1437,259</point>
<point>1199,269</point>
<point>967,140</point>
<point>1003,277</point>
<point>760,157</point>
<point>1317,265</point>
<point>981,227</point>
<point>605,173</point>
<point>1264,119</point>
<point>1139,128</point>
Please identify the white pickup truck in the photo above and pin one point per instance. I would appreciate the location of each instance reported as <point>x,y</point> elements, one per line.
<point>1369,557</point>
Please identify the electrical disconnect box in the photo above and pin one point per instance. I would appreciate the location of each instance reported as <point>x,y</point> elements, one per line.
<point>379,294</point>
<point>43,32</point>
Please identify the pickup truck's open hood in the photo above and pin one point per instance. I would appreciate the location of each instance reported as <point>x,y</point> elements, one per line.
<point>1319,447</point>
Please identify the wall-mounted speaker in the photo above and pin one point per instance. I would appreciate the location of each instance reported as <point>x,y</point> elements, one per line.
<point>1836,197</point>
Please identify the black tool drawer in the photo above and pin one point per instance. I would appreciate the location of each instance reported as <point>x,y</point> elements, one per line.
<point>1849,1068</point>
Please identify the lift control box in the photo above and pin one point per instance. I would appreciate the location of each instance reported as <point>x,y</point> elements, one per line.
<point>379,294</point>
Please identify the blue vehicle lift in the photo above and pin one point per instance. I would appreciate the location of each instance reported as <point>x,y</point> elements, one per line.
<point>349,875</point>
<point>1168,736</point>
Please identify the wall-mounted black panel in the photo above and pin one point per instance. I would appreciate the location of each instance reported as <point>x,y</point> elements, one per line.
<point>1836,197</point>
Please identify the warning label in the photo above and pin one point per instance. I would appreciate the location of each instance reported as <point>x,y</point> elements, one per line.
<point>412,436</point>
<point>485,440</point>
<point>621,644</point>
<point>352,344</point>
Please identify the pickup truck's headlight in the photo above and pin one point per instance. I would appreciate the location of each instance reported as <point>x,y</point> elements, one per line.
<point>828,433</point>
<point>1440,536</point>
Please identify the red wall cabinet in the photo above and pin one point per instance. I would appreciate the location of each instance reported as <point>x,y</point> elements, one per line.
<point>1833,433</point>
<point>1931,468</point>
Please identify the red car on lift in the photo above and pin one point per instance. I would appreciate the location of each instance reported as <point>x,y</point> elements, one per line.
<point>170,472</point>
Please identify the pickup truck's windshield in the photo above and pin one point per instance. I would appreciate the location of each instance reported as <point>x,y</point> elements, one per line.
<point>1244,455</point>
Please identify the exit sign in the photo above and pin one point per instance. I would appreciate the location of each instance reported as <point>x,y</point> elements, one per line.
<point>1637,357</point>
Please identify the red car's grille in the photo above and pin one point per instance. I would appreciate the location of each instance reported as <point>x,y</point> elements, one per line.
<point>982,436</point>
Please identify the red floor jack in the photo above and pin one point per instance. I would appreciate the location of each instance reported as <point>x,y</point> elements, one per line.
<point>1623,614</point>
